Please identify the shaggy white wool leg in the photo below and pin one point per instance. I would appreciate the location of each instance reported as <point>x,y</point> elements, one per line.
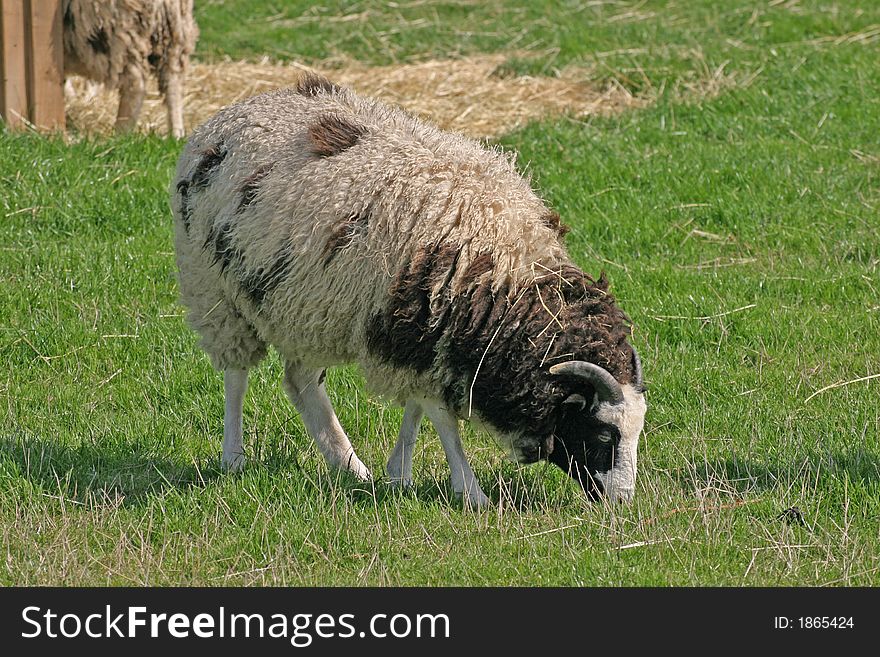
<point>399,467</point>
<point>306,391</point>
<point>235,381</point>
<point>464,481</point>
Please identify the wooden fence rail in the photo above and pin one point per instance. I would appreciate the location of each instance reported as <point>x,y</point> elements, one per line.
<point>32,64</point>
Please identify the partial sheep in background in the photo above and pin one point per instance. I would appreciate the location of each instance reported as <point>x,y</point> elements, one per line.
<point>119,42</point>
<point>341,230</point>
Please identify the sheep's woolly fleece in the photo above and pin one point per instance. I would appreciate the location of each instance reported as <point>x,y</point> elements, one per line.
<point>463,95</point>
<point>341,230</point>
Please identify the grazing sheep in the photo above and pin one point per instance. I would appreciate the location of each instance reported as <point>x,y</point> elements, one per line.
<point>118,42</point>
<point>341,230</point>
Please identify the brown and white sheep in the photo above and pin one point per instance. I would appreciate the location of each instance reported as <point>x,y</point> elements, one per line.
<point>118,43</point>
<point>341,230</point>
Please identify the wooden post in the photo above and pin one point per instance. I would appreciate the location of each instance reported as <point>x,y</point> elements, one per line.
<point>45,64</point>
<point>32,64</point>
<point>13,86</point>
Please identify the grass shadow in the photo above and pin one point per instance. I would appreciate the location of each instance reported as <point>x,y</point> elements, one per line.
<point>523,489</point>
<point>744,476</point>
<point>90,472</point>
<point>380,491</point>
<point>536,488</point>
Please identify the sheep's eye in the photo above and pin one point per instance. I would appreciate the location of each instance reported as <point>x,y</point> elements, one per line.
<point>605,437</point>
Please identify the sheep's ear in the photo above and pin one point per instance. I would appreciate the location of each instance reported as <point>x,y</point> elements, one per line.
<point>577,401</point>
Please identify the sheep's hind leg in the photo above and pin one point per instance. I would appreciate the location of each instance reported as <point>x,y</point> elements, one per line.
<point>235,382</point>
<point>399,467</point>
<point>305,388</point>
<point>464,481</point>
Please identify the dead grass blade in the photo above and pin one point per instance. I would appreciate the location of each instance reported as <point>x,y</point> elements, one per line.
<point>840,384</point>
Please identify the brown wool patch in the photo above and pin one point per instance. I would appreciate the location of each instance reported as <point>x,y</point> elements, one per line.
<point>99,42</point>
<point>344,233</point>
<point>332,135</point>
<point>251,186</point>
<point>210,158</point>
<point>443,267</point>
<point>480,265</point>
<point>185,210</point>
<point>219,239</point>
<point>406,332</point>
<point>553,221</point>
<point>312,84</point>
<point>262,281</point>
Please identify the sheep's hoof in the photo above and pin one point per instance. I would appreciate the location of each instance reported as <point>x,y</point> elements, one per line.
<point>474,500</point>
<point>356,467</point>
<point>233,462</point>
<point>362,474</point>
<point>403,483</point>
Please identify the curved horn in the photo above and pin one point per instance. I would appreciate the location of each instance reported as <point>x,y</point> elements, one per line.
<point>637,366</point>
<point>607,387</point>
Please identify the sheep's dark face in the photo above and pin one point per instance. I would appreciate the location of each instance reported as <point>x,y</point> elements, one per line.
<point>596,443</point>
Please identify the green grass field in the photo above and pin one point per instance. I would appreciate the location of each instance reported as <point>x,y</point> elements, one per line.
<point>740,231</point>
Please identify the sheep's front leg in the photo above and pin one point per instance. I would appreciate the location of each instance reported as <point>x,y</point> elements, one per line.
<point>235,381</point>
<point>174,102</point>
<point>399,467</point>
<point>464,482</point>
<point>305,388</point>
<point>132,88</point>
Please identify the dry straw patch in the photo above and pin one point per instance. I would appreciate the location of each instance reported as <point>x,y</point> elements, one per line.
<point>464,95</point>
